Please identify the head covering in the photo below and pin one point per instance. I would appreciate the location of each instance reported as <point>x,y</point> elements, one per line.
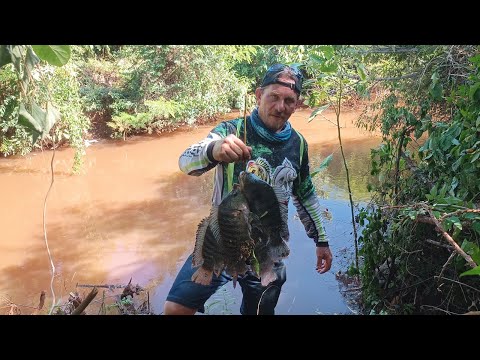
<point>273,73</point>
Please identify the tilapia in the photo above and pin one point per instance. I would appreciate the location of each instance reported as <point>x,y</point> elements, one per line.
<point>234,222</point>
<point>223,239</point>
<point>247,231</point>
<point>207,254</point>
<point>269,225</point>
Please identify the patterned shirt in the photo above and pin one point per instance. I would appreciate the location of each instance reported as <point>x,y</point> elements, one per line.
<point>277,163</point>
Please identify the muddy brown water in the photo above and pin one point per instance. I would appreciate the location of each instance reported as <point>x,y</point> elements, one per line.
<point>131,213</point>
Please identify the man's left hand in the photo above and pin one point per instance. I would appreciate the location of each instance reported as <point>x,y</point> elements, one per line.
<point>324,259</point>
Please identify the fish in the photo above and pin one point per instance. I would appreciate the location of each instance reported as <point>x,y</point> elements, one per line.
<point>269,223</point>
<point>248,231</point>
<point>223,240</point>
<point>207,253</point>
<point>234,221</point>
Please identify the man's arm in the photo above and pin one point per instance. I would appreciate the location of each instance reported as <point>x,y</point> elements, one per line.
<point>218,146</point>
<point>197,158</point>
<point>306,201</point>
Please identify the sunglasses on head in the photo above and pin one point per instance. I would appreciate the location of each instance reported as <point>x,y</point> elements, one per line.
<point>280,67</point>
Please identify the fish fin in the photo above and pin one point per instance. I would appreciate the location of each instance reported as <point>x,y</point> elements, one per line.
<point>197,259</point>
<point>217,270</point>
<point>268,277</point>
<point>214,223</point>
<point>202,276</point>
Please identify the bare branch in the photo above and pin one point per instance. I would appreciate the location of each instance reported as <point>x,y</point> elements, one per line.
<point>458,282</point>
<point>458,212</point>
<point>85,302</point>
<point>436,243</point>
<point>447,236</point>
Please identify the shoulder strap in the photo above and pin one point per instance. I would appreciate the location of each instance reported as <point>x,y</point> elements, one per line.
<point>230,166</point>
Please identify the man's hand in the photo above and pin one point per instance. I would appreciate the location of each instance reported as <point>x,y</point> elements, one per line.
<point>324,259</point>
<point>231,149</point>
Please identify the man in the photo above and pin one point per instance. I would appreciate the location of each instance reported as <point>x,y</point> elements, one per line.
<point>277,154</point>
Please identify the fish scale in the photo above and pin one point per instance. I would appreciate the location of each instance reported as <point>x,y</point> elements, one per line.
<point>233,222</point>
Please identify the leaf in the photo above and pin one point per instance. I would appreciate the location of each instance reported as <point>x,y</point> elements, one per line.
<point>475,157</point>
<point>57,55</point>
<point>361,71</point>
<point>473,90</point>
<point>476,227</point>
<point>323,165</point>
<point>456,222</point>
<point>474,271</point>
<point>471,216</point>
<point>317,59</point>
<point>52,116</point>
<point>436,91</point>
<point>328,68</point>
<point>5,57</point>
<point>328,51</point>
<point>29,121</point>
<point>38,121</point>
<point>318,111</point>
<point>30,61</point>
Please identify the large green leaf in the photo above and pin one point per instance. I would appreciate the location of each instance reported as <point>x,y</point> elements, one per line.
<point>52,116</point>
<point>328,51</point>
<point>38,121</point>
<point>31,122</point>
<point>57,55</point>
<point>5,57</point>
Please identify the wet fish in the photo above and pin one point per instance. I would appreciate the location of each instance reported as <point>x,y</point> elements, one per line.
<point>207,254</point>
<point>247,231</point>
<point>234,222</point>
<point>223,239</point>
<point>268,206</point>
<point>263,201</point>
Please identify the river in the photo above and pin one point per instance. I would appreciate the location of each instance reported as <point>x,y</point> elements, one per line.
<point>131,213</point>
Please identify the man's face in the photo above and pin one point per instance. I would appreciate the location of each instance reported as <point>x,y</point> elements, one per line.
<point>276,103</point>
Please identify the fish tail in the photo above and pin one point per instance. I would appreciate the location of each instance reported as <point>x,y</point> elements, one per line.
<point>268,278</point>
<point>202,276</point>
<point>198,259</point>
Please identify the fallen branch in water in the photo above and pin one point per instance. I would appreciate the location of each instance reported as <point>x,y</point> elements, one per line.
<point>111,286</point>
<point>85,302</point>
